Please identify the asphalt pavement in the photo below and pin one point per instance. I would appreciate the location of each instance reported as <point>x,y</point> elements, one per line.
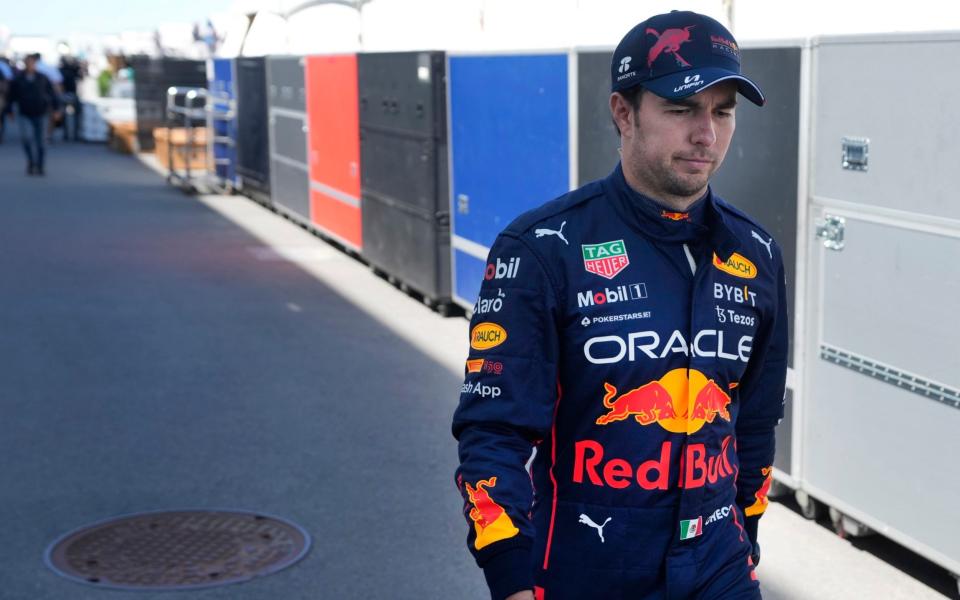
<point>165,351</point>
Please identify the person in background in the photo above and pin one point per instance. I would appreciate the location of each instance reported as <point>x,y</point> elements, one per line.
<point>36,101</point>
<point>6,77</point>
<point>56,80</point>
<point>72,72</point>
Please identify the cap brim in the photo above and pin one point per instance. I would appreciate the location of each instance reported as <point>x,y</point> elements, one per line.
<point>678,85</point>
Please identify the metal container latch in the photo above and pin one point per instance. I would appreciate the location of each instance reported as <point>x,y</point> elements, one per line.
<point>830,230</point>
<point>856,153</point>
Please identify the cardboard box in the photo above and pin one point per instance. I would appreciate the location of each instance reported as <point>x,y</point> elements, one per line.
<point>175,138</point>
<point>123,137</point>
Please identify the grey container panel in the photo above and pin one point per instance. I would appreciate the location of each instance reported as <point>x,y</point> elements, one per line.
<point>403,91</point>
<point>913,153</point>
<point>784,436</point>
<point>596,135</point>
<point>408,245</point>
<point>760,172</point>
<point>285,83</point>
<point>289,138</point>
<point>404,168</point>
<point>888,296</point>
<point>885,452</point>
<point>891,294</point>
<point>253,144</point>
<point>290,188</point>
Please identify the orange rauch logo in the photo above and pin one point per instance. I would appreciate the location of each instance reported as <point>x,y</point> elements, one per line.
<point>490,521</point>
<point>681,401</point>
<point>736,265</point>
<point>487,335</point>
<point>758,507</point>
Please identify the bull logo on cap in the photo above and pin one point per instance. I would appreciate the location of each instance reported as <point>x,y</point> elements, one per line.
<point>669,41</point>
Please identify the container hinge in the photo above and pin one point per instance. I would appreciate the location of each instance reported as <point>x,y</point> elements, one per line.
<point>830,230</point>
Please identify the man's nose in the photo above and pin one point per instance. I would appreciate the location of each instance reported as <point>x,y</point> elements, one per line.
<point>704,133</point>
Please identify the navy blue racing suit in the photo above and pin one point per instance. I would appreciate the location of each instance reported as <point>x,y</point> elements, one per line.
<point>640,355</point>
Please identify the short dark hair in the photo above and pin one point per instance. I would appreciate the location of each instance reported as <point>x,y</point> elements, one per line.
<point>633,96</point>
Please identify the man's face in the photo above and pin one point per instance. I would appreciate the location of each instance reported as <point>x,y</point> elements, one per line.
<point>671,148</point>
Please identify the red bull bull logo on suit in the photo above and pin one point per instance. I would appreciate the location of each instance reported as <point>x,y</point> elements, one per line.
<point>681,401</point>
<point>490,521</point>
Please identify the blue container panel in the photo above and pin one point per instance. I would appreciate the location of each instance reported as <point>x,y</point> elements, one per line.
<point>510,145</point>
<point>223,82</point>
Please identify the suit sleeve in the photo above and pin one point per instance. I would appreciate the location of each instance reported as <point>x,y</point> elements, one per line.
<point>506,406</point>
<point>761,409</point>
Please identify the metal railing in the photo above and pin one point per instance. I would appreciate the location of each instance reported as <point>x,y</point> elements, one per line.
<point>198,105</point>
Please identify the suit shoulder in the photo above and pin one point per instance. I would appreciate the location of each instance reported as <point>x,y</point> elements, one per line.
<point>554,208</point>
<point>739,217</point>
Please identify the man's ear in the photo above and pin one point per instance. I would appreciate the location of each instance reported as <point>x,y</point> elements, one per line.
<point>621,112</point>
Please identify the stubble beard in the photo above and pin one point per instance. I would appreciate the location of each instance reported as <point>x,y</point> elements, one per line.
<point>662,178</point>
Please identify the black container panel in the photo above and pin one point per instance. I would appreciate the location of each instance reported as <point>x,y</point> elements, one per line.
<point>405,244</point>
<point>289,138</point>
<point>404,180</point>
<point>285,83</point>
<point>760,172</point>
<point>402,168</point>
<point>253,148</point>
<point>152,78</point>
<point>596,135</point>
<point>402,91</point>
<point>291,188</point>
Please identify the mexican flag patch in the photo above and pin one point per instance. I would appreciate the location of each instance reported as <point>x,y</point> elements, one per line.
<point>691,528</point>
<point>606,259</point>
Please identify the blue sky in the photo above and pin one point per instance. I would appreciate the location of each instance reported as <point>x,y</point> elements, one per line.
<point>60,17</point>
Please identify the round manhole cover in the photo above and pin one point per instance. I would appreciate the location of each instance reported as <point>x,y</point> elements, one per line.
<point>178,549</point>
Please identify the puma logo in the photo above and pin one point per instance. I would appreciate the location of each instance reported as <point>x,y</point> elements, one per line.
<point>559,233</point>
<point>589,523</point>
<point>764,242</point>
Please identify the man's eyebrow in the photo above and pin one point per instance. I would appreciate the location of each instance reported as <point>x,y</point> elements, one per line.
<point>688,102</point>
<point>691,103</point>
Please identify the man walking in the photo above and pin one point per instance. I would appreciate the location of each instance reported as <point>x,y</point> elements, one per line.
<point>643,355</point>
<point>35,98</point>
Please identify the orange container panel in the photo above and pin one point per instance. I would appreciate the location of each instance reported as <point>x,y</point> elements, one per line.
<point>334,139</point>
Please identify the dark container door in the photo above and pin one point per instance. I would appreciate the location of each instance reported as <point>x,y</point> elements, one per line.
<point>597,140</point>
<point>152,77</point>
<point>403,150</point>
<point>253,151</point>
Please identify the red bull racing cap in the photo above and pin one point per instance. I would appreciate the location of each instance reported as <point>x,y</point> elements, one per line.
<point>678,54</point>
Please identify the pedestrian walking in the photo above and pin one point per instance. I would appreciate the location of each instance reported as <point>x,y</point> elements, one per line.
<point>632,336</point>
<point>33,95</point>
<point>6,78</point>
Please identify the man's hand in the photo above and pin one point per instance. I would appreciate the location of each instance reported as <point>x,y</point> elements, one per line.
<point>524,595</point>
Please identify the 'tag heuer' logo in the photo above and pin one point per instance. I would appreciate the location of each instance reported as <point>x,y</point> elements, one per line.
<point>606,259</point>
<point>678,402</point>
<point>490,521</point>
<point>487,335</point>
<point>736,265</point>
